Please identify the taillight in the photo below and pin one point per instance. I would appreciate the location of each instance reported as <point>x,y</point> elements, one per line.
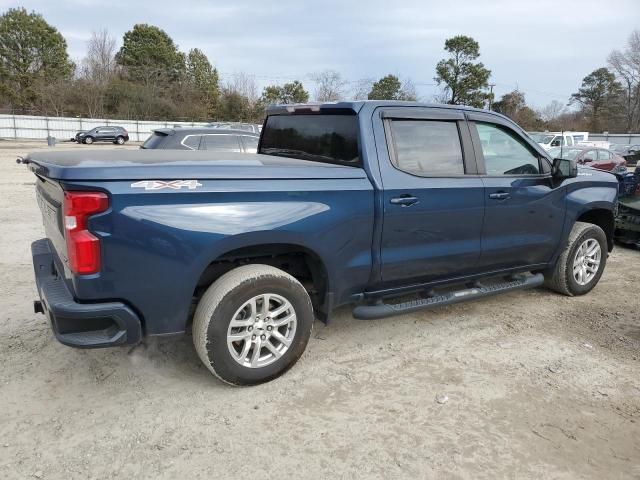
<point>83,248</point>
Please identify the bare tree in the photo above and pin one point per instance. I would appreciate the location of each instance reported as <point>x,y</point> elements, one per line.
<point>329,86</point>
<point>244,85</point>
<point>626,66</point>
<point>553,111</point>
<point>409,90</point>
<point>362,88</point>
<point>99,65</point>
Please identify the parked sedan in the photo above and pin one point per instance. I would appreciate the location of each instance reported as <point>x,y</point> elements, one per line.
<point>631,153</point>
<point>118,135</point>
<point>202,138</point>
<point>599,158</point>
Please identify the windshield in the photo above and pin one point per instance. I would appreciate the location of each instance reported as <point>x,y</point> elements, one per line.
<point>320,138</point>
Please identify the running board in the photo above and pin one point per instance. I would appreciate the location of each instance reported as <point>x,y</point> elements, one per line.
<point>381,310</point>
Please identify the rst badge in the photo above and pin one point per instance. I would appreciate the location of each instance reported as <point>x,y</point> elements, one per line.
<point>161,184</point>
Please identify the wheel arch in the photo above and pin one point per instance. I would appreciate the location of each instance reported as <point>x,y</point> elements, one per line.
<point>603,218</point>
<point>299,261</point>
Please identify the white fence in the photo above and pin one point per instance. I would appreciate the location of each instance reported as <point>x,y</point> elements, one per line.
<point>64,128</point>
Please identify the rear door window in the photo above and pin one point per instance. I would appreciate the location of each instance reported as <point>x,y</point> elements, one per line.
<point>604,155</point>
<point>427,147</point>
<point>220,143</point>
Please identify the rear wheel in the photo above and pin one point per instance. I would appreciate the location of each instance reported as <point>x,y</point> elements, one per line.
<point>88,140</point>
<point>582,262</point>
<point>252,324</point>
<point>119,140</point>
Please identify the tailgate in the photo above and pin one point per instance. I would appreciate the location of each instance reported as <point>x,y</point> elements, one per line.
<point>50,196</point>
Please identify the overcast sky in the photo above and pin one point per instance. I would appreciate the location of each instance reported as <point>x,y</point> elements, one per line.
<point>543,47</point>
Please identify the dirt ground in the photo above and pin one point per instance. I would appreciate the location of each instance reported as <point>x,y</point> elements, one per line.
<point>536,385</point>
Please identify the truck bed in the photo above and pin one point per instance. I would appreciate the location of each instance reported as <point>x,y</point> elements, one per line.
<point>172,164</point>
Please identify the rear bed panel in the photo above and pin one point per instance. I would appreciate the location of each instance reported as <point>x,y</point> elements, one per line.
<point>156,243</point>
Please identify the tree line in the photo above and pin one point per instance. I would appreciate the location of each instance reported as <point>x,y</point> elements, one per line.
<point>149,78</point>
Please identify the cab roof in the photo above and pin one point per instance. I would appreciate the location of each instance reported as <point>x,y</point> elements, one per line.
<point>355,106</point>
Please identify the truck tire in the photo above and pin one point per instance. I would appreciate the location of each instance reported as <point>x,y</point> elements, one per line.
<point>252,324</point>
<point>582,262</point>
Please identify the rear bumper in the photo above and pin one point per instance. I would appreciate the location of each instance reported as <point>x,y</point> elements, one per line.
<point>81,325</point>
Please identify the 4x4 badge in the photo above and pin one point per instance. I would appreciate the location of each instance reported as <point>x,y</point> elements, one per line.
<point>161,184</point>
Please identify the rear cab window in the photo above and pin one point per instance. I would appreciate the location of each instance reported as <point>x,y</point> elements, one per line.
<point>326,138</point>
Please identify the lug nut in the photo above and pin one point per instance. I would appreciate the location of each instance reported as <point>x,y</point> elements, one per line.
<point>269,327</point>
<point>263,337</point>
<point>250,328</point>
<point>253,337</point>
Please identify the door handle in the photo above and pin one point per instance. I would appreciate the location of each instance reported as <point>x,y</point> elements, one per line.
<point>499,196</point>
<point>405,200</point>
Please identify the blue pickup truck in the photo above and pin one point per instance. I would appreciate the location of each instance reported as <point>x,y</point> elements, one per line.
<point>392,207</point>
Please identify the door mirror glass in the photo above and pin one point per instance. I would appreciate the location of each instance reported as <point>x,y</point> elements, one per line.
<point>564,168</point>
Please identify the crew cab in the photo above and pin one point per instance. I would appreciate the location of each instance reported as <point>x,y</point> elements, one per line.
<point>356,203</point>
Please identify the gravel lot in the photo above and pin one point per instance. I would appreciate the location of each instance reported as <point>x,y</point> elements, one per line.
<point>526,385</point>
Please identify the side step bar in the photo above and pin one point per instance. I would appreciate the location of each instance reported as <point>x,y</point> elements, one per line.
<point>381,310</point>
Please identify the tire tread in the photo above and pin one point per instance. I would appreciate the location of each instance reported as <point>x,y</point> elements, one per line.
<point>216,293</point>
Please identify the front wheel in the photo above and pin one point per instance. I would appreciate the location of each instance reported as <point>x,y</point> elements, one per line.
<point>582,262</point>
<point>88,140</point>
<point>252,324</point>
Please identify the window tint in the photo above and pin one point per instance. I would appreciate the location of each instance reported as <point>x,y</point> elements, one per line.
<point>192,141</point>
<point>426,147</point>
<point>604,155</point>
<point>155,140</point>
<point>220,143</point>
<point>319,138</point>
<point>250,143</point>
<point>504,153</point>
<point>557,141</point>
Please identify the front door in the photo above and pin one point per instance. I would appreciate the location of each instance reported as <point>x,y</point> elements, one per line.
<point>433,203</point>
<point>524,213</point>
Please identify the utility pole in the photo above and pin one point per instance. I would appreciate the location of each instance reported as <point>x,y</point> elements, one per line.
<point>491,85</point>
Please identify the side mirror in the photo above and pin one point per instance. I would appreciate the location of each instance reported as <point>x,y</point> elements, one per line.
<point>564,168</point>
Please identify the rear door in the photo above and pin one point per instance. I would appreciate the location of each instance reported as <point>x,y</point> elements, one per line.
<point>433,200</point>
<point>524,213</point>
<point>605,160</point>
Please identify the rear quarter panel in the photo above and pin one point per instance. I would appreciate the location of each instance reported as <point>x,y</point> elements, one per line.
<point>156,244</point>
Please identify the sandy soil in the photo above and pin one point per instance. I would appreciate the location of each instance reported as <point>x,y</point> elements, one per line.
<point>537,386</point>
